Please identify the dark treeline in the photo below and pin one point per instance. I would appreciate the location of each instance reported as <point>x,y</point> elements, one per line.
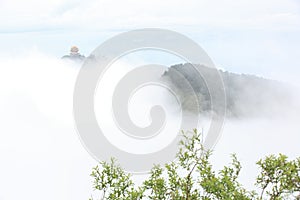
<point>246,95</point>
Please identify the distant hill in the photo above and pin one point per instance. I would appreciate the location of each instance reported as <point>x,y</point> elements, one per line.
<point>246,95</point>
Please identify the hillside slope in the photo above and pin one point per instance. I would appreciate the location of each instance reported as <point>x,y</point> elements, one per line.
<point>246,95</point>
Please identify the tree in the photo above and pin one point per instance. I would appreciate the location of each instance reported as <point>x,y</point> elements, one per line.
<point>191,177</point>
<point>279,178</point>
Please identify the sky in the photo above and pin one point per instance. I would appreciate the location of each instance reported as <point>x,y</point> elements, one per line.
<point>39,147</point>
<point>256,37</point>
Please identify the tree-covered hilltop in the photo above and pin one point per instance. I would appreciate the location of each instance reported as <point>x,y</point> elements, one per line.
<point>246,95</point>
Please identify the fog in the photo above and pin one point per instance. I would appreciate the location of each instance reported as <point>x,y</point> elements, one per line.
<point>41,155</point>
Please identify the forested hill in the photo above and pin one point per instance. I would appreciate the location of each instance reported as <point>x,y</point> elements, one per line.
<point>246,95</point>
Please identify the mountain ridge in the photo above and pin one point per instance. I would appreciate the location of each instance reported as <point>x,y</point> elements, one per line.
<point>246,95</point>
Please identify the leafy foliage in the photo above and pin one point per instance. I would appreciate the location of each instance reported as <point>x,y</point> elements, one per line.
<point>279,178</point>
<point>191,177</point>
<point>114,182</point>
